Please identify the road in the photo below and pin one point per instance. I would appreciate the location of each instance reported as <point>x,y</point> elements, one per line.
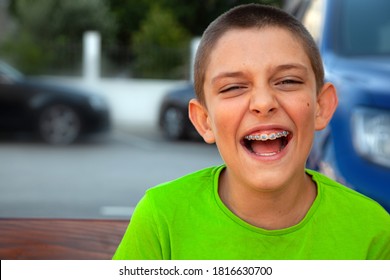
<point>101,177</point>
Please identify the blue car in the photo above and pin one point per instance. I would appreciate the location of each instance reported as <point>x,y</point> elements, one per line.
<point>354,39</point>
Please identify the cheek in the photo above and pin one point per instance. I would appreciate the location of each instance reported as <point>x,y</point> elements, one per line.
<point>308,114</point>
<point>308,108</point>
<point>221,122</point>
<point>302,111</point>
<point>308,103</point>
<point>225,121</point>
<point>307,119</point>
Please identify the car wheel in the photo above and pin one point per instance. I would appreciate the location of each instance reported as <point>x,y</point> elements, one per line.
<point>59,124</point>
<point>173,124</point>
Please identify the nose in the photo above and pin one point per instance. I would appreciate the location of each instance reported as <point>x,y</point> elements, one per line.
<point>263,102</point>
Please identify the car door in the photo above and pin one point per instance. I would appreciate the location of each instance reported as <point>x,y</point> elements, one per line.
<point>14,113</point>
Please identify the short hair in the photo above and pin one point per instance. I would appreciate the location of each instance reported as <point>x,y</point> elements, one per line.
<point>253,16</point>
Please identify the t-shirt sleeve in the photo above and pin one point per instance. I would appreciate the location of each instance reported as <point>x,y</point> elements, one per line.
<point>141,239</point>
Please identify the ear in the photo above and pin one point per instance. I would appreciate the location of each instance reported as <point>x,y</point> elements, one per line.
<point>199,117</point>
<point>326,106</point>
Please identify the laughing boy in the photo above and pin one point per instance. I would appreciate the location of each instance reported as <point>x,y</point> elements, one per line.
<point>261,96</point>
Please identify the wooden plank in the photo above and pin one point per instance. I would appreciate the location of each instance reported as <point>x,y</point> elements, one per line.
<point>59,239</point>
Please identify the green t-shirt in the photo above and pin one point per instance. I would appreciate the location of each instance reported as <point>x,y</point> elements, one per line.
<point>186,219</point>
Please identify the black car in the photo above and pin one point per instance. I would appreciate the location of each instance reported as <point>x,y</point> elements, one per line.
<point>173,119</point>
<point>57,114</point>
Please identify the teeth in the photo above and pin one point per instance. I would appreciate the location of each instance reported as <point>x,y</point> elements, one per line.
<point>265,137</point>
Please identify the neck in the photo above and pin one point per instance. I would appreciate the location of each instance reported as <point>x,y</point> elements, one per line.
<point>280,208</point>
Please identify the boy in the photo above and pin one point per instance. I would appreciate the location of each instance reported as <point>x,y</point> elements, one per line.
<point>260,97</point>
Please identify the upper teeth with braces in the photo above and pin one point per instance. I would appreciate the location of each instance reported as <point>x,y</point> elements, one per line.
<point>265,137</point>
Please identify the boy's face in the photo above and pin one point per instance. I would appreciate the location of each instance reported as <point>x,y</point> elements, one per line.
<point>260,84</point>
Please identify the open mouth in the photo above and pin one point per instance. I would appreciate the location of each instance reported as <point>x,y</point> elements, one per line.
<point>267,144</point>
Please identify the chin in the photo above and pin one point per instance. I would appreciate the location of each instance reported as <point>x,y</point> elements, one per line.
<point>273,177</point>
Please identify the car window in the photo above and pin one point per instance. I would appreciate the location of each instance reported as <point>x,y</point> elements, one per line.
<point>365,28</point>
<point>313,18</point>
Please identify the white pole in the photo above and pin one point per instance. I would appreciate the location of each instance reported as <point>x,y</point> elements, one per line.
<point>194,46</point>
<point>91,56</point>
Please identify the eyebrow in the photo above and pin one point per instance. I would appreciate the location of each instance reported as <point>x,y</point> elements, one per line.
<point>281,67</point>
<point>291,66</point>
<point>227,75</point>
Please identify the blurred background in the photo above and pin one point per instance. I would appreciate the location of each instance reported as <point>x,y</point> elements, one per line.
<point>94,93</point>
<point>139,39</point>
<point>82,87</point>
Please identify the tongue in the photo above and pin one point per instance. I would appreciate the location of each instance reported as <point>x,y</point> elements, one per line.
<point>266,147</point>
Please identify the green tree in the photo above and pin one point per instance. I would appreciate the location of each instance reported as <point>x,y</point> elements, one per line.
<point>196,15</point>
<point>193,15</point>
<point>160,46</point>
<point>49,32</point>
<point>135,32</point>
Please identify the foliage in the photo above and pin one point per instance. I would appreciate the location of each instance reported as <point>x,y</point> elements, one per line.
<point>46,26</point>
<point>160,46</point>
<point>26,53</point>
<point>150,35</point>
<point>192,15</point>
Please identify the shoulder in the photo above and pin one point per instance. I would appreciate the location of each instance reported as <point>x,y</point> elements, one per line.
<point>171,203</point>
<point>353,215</point>
<point>189,186</point>
<point>348,201</point>
<point>190,182</point>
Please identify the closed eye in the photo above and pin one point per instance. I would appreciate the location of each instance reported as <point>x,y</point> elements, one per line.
<point>232,88</point>
<point>289,84</point>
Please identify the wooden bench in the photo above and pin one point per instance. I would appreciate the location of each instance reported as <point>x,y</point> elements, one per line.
<point>59,239</point>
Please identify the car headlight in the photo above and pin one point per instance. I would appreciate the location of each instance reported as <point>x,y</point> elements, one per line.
<point>97,102</point>
<point>371,134</point>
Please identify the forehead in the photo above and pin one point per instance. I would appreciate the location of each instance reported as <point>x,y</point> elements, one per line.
<point>264,47</point>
